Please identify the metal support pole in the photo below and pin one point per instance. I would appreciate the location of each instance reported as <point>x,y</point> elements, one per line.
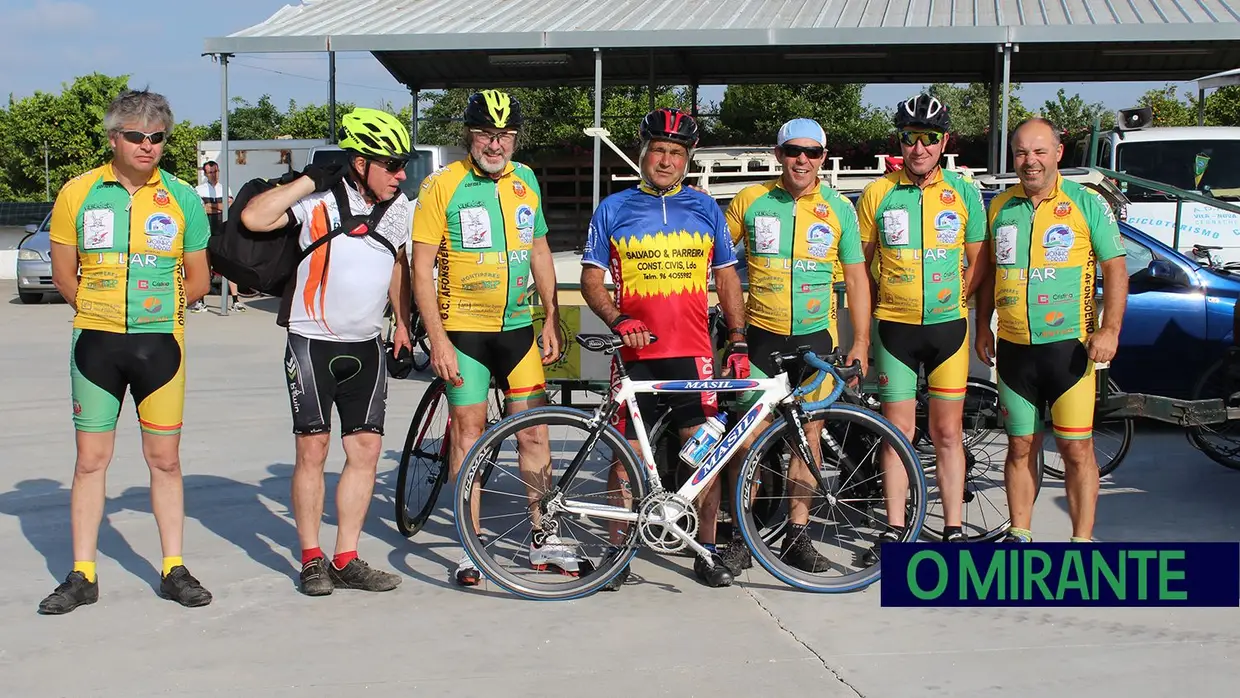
<point>47,174</point>
<point>331,96</point>
<point>1201,109</point>
<point>1007,89</point>
<point>651,87</point>
<point>992,151</point>
<point>693,100</point>
<point>224,162</point>
<point>413,125</point>
<point>598,121</point>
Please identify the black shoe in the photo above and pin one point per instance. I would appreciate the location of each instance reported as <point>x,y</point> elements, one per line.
<point>467,574</point>
<point>73,592</point>
<point>1013,537</point>
<point>736,556</point>
<point>871,556</point>
<point>180,586</point>
<point>359,575</point>
<point>799,551</point>
<point>621,577</point>
<point>715,575</point>
<point>314,578</point>
<point>954,534</point>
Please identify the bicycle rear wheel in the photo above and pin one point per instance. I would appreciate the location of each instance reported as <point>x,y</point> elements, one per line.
<point>851,471</point>
<point>984,515</point>
<point>1220,442</point>
<point>515,506</point>
<point>423,461</point>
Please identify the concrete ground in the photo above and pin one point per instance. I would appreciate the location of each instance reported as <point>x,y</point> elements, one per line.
<point>664,634</point>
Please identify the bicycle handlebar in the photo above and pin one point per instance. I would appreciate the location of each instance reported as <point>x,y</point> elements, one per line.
<point>825,367</point>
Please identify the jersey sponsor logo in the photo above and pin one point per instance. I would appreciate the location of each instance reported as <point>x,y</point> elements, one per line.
<point>1058,241</point>
<point>101,284</point>
<point>151,304</point>
<point>1005,244</point>
<point>518,189</point>
<point>900,279</point>
<point>939,277</point>
<point>820,238</point>
<point>1063,209</point>
<point>1007,300</point>
<point>813,306</point>
<point>786,264</point>
<point>822,211</point>
<point>1056,298</point>
<point>475,228</point>
<point>766,235</point>
<point>161,197</point>
<point>947,227</point>
<point>895,227</point>
<point>948,197</point>
<point>525,224</point>
<point>935,253</point>
<point>664,264</point>
<point>160,231</point>
<point>98,229</point>
<point>1032,274</point>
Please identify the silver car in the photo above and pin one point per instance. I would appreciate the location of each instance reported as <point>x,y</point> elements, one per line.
<point>34,263</point>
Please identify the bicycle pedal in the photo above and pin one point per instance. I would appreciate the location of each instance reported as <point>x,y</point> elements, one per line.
<point>556,568</point>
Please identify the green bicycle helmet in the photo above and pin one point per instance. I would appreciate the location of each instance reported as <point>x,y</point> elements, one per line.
<point>374,133</point>
<point>493,109</point>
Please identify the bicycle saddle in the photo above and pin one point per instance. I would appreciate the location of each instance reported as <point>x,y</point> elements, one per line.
<point>1207,247</point>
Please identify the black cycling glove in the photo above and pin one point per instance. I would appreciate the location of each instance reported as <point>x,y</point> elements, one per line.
<point>326,175</point>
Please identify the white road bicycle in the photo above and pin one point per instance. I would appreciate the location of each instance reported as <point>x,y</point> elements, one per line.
<point>602,501</point>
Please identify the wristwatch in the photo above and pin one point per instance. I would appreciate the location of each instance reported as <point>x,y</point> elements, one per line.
<point>737,330</point>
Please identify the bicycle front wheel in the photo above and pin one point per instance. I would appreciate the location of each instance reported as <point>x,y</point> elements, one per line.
<point>847,510</point>
<point>530,533</point>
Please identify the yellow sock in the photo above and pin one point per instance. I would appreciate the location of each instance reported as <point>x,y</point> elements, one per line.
<point>87,568</point>
<point>170,562</point>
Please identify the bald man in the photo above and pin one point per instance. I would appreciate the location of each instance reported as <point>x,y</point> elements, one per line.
<point>1047,239</point>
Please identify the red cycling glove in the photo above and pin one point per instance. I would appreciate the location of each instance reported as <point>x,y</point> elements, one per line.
<point>625,326</point>
<point>738,360</point>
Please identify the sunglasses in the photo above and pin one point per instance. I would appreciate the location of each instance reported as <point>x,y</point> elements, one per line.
<point>390,165</point>
<point>813,152</point>
<point>137,137</point>
<point>504,137</point>
<point>925,137</point>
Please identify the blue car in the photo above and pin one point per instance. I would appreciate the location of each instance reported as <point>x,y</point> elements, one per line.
<point>1179,318</point>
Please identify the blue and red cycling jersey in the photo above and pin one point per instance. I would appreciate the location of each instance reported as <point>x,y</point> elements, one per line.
<point>661,250</point>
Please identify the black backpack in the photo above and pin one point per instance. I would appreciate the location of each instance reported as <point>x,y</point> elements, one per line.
<point>267,261</point>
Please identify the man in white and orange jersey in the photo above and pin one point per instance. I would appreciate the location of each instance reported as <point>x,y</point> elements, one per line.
<point>335,313</point>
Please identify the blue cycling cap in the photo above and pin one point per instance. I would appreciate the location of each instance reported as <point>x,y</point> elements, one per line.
<point>802,128</point>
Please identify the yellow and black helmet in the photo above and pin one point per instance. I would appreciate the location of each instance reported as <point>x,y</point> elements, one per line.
<point>374,133</point>
<point>493,109</point>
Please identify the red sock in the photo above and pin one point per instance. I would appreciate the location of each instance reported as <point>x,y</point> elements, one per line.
<point>308,555</point>
<point>343,559</point>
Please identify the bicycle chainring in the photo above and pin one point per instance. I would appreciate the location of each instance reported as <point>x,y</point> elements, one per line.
<point>659,512</point>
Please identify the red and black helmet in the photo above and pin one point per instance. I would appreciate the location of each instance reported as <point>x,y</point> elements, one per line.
<point>668,124</point>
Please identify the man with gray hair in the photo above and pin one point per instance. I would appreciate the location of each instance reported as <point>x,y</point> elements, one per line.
<point>139,236</point>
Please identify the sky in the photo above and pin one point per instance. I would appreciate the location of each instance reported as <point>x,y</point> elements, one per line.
<point>46,43</point>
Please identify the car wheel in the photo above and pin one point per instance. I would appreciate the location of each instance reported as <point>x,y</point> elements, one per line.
<point>29,297</point>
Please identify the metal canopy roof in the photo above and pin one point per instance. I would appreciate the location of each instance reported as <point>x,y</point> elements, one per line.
<point>431,44</point>
<point>1223,79</point>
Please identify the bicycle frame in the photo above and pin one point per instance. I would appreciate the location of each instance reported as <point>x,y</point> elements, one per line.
<point>776,393</point>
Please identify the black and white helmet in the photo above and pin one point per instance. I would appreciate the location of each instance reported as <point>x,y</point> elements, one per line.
<point>923,110</point>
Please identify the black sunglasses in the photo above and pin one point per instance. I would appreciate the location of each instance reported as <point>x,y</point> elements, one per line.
<point>813,152</point>
<point>137,137</point>
<point>391,165</point>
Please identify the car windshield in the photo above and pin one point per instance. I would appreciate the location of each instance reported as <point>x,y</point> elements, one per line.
<point>1211,167</point>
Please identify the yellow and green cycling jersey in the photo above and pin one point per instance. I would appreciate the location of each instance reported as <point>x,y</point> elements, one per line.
<point>920,235</point>
<point>1046,261</point>
<point>795,249</point>
<point>485,229</point>
<point>131,249</point>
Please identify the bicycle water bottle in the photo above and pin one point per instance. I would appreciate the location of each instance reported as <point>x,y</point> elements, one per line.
<point>699,446</point>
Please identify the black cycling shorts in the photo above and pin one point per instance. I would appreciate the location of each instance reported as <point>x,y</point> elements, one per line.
<point>763,343</point>
<point>942,349</point>
<point>687,409</point>
<point>350,375</point>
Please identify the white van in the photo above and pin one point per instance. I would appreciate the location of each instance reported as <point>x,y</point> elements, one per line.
<point>1201,159</point>
<point>425,160</point>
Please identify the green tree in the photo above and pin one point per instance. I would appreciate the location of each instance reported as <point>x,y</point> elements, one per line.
<point>1223,106</point>
<point>71,126</point>
<point>311,120</point>
<point>969,106</point>
<point>250,121</point>
<point>181,152</point>
<point>752,114</point>
<point>1075,116</point>
<point>1168,108</point>
<point>554,116</point>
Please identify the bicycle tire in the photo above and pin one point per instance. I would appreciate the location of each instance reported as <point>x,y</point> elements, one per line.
<point>407,521</point>
<point>980,393</point>
<point>589,582</point>
<point>771,437</point>
<point>1207,386</point>
<point>1127,429</point>
<point>417,331</point>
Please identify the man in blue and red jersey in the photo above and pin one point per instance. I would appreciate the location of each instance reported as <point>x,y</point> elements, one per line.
<point>661,241</point>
